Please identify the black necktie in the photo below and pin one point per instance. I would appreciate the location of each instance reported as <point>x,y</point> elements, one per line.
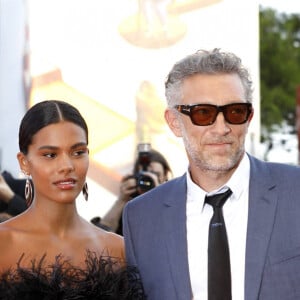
<point>219,276</point>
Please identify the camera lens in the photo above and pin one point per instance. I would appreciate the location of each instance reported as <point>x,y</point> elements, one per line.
<point>145,183</point>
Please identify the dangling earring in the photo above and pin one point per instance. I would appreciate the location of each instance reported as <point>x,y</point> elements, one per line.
<point>28,192</point>
<point>85,192</point>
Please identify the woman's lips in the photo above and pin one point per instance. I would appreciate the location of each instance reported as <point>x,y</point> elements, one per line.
<point>65,184</point>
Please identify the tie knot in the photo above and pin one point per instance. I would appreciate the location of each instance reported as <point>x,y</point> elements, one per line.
<point>218,200</point>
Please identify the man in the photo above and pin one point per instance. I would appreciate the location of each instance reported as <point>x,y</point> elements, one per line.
<point>166,230</point>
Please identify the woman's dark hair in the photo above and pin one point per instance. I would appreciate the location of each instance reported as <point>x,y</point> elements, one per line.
<point>155,156</point>
<point>46,113</point>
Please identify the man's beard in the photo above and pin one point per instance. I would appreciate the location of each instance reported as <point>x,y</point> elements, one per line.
<point>207,161</point>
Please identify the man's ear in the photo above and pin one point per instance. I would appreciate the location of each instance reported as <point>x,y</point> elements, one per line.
<point>23,163</point>
<point>172,120</point>
<point>251,116</point>
<point>249,119</point>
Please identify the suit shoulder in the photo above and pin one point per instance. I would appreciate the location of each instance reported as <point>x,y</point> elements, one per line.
<point>159,194</point>
<point>273,167</point>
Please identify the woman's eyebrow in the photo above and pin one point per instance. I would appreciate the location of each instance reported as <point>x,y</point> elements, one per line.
<point>49,147</point>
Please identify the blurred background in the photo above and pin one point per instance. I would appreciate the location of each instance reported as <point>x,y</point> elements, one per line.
<point>110,60</point>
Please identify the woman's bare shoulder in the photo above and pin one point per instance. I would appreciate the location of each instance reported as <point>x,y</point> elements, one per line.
<point>110,236</point>
<point>8,233</point>
<point>7,228</point>
<point>112,243</point>
<point>115,238</point>
<point>11,226</point>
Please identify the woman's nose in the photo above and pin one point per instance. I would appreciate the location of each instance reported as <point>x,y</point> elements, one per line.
<point>66,164</point>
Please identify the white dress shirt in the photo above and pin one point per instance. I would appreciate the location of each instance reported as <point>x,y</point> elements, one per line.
<point>235,211</point>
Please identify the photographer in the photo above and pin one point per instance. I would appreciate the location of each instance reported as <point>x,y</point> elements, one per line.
<point>150,170</point>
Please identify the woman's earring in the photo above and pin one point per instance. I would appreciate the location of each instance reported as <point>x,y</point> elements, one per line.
<point>28,192</point>
<point>85,192</point>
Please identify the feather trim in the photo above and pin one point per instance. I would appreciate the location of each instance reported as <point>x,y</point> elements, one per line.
<point>102,278</point>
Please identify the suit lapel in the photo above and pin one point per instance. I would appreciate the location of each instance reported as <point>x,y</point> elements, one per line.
<point>262,208</point>
<point>261,214</point>
<point>174,216</point>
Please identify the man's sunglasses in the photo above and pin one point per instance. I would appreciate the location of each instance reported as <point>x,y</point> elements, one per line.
<point>206,114</point>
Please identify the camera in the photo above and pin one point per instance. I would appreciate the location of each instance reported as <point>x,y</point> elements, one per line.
<point>144,182</point>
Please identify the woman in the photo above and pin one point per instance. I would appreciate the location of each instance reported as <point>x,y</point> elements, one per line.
<point>50,242</point>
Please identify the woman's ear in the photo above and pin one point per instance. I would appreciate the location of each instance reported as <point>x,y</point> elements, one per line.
<point>172,120</point>
<point>23,163</point>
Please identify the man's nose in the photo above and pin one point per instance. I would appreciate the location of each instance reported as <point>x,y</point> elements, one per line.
<point>221,125</point>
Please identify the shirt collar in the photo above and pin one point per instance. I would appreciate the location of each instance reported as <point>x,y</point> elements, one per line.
<point>194,192</point>
<point>239,180</point>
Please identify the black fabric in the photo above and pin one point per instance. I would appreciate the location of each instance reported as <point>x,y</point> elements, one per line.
<point>120,227</point>
<point>3,206</point>
<point>17,185</point>
<point>18,203</point>
<point>219,274</point>
<point>102,278</point>
<point>97,221</point>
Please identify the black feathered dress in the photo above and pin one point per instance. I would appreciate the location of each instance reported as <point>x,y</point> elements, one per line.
<point>102,278</point>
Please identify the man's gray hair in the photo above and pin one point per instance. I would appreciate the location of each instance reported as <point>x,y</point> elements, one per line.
<point>205,62</point>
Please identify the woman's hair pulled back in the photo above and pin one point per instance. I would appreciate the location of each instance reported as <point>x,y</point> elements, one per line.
<point>46,113</point>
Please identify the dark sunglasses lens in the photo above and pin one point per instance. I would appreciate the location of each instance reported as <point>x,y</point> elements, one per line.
<point>237,113</point>
<point>203,114</point>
